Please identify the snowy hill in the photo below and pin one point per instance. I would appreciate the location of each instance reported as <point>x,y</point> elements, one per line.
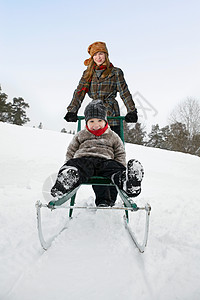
<point>94,257</point>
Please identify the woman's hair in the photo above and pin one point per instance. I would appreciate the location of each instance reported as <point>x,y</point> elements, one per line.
<point>90,69</point>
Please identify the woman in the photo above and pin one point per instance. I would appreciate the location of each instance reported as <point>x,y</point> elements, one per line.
<point>101,80</point>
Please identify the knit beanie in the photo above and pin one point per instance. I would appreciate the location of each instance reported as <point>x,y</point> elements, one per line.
<point>95,109</point>
<point>94,48</point>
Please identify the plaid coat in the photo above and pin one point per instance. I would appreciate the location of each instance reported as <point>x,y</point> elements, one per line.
<point>105,89</point>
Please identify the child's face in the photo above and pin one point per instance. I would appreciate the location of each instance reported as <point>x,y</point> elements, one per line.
<point>95,124</point>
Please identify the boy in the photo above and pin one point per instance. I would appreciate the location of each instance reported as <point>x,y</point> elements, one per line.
<point>98,151</point>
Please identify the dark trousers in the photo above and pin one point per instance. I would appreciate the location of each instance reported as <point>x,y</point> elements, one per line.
<point>107,192</point>
<point>95,166</point>
<point>116,129</point>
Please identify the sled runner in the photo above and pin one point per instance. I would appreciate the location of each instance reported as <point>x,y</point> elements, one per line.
<point>129,206</point>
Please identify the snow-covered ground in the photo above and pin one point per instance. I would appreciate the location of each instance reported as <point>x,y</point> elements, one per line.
<point>94,257</point>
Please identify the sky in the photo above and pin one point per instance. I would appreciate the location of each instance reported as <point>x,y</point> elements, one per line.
<point>44,44</point>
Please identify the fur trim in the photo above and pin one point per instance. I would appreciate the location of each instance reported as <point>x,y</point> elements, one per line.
<point>107,145</point>
<point>94,48</point>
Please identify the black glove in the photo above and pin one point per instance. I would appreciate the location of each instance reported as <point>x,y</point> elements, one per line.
<point>131,117</point>
<point>71,117</point>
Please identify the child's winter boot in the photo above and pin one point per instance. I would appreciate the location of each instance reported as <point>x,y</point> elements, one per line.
<point>66,181</point>
<point>134,176</point>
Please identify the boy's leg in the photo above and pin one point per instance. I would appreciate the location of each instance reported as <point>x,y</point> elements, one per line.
<point>135,174</point>
<point>106,194</point>
<point>66,181</point>
<point>130,181</point>
<point>72,174</point>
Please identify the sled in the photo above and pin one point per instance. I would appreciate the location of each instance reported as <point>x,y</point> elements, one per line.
<point>129,206</point>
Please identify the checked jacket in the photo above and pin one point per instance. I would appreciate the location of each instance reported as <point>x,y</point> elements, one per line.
<point>106,90</point>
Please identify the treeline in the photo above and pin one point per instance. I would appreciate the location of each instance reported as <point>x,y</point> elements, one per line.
<point>70,131</point>
<point>13,112</point>
<point>181,134</point>
<point>174,137</point>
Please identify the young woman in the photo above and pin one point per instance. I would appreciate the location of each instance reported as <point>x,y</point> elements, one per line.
<point>101,80</point>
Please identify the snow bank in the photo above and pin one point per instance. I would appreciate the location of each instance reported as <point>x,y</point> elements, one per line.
<point>94,257</point>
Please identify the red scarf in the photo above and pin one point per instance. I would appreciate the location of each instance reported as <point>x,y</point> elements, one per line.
<point>86,87</point>
<point>101,67</point>
<point>98,132</point>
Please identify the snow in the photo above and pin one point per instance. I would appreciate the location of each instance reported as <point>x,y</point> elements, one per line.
<point>94,258</point>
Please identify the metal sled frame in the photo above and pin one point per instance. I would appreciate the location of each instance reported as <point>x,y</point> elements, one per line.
<point>128,204</point>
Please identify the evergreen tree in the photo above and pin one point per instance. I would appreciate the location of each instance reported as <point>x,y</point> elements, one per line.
<point>134,135</point>
<point>138,134</point>
<point>3,107</point>
<point>165,134</point>
<point>18,113</point>
<point>179,137</point>
<point>127,137</point>
<point>155,137</point>
<point>13,113</point>
<point>175,137</point>
<point>194,147</point>
<point>40,126</point>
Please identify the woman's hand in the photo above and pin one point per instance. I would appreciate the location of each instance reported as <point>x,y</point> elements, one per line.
<point>71,117</point>
<point>131,117</point>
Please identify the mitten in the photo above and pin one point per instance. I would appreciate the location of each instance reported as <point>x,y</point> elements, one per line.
<point>71,117</point>
<point>131,117</point>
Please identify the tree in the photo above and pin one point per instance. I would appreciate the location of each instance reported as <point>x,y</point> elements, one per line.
<point>13,113</point>
<point>188,113</point>
<point>138,134</point>
<point>63,130</point>
<point>194,147</point>
<point>165,134</point>
<point>155,137</point>
<point>40,126</point>
<point>18,113</point>
<point>3,107</point>
<point>134,135</point>
<point>174,137</point>
<point>178,137</point>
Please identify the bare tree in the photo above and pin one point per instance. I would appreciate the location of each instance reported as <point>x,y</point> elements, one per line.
<point>187,112</point>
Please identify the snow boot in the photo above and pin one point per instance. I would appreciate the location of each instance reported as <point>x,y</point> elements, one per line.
<point>134,176</point>
<point>130,180</point>
<point>66,181</point>
<point>103,202</point>
<point>103,205</point>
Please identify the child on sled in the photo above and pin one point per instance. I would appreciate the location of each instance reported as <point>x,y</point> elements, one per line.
<point>98,151</point>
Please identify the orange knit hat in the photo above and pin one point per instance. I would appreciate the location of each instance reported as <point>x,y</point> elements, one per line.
<point>94,48</point>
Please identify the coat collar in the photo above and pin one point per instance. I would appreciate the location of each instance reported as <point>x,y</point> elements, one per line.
<point>96,79</point>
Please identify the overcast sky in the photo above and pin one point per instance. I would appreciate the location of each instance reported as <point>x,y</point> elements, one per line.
<point>44,44</point>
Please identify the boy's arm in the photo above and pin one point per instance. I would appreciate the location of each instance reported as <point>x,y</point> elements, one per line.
<point>72,148</point>
<point>119,151</point>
